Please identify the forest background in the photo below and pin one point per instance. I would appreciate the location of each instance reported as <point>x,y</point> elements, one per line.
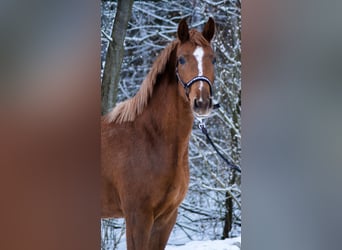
<point>212,207</point>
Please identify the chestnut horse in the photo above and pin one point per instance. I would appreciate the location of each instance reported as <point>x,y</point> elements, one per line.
<point>144,147</point>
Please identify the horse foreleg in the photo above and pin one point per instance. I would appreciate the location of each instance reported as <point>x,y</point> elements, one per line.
<point>161,230</point>
<point>138,230</point>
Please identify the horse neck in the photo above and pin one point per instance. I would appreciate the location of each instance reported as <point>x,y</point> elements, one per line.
<point>169,111</point>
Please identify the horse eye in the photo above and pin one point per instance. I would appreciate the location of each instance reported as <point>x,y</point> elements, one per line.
<point>181,60</point>
<point>214,60</point>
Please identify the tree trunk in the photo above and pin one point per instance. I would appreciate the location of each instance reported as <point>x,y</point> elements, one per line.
<point>115,52</point>
<point>228,219</point>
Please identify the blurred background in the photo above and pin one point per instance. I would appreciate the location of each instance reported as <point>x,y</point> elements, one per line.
<point>290,124</point>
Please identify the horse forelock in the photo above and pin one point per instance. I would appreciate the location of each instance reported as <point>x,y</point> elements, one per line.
<point>197,38</point>
<point>128,110</point>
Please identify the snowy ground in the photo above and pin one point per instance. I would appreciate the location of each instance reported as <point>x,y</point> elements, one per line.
<point>180,241</point>
<point>227,244</point>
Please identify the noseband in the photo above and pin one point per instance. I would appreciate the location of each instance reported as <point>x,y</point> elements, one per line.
<point>188,84</point>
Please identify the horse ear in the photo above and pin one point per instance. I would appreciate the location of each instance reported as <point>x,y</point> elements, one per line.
<point>183,31</point>
<point>209,29</point>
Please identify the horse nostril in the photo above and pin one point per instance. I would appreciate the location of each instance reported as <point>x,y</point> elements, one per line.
<point>196,104</point>
<point>203,104</point>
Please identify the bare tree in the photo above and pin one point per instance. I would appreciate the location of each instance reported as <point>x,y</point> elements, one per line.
<point>115,54</point>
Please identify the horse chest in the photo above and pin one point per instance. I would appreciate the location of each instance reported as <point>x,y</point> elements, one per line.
<point>175,187</point>
<point>177,192</point>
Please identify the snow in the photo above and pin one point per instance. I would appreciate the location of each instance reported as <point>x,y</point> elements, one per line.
<point>227,244</point>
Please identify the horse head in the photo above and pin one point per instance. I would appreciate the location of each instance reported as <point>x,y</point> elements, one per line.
<point>195,66</point>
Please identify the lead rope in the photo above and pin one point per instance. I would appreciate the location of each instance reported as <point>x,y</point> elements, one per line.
<point>204,131</point>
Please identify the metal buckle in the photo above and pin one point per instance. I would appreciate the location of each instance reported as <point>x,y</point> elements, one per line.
<point>201,124</point>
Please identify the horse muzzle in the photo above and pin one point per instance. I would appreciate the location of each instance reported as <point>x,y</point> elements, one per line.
<point>202,107</point>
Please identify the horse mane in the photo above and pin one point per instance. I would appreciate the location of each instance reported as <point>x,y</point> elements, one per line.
<point>128,110</point>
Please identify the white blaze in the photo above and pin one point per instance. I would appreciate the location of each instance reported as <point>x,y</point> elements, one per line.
<point>198,54</point>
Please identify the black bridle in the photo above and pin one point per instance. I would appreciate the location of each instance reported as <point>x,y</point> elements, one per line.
<point>188,84</point>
